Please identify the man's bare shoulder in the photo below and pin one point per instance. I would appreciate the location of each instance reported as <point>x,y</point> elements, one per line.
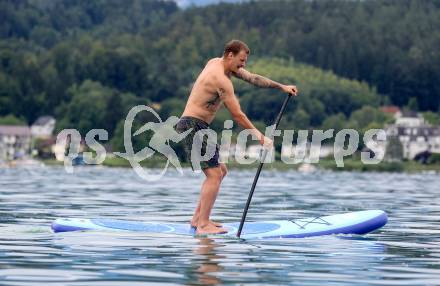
<point>214,60</point>
<point>215,71</point>
<point>225,82</point>
<point>214,63</point>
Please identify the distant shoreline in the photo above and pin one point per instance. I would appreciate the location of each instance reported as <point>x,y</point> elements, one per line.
<point>323,164</point>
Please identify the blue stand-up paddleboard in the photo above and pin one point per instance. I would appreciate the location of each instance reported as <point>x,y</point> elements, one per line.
<point>361,222</point>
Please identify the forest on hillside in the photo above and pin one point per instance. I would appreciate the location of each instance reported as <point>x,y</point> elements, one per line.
<point>88,62</point>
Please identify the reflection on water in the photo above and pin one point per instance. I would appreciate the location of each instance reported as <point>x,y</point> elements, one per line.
<point>405,252</point>
<point>209,252</point>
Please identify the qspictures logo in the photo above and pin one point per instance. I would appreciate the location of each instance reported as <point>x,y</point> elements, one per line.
<point>203,147</point>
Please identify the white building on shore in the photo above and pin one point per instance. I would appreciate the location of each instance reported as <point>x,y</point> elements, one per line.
<point>43,127</point>
<point>417,139</point>
<point>415,135</point>
<point>15,141</point>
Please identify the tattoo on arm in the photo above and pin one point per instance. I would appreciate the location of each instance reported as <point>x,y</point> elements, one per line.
<point>257,80</point>
<point>215,100</point>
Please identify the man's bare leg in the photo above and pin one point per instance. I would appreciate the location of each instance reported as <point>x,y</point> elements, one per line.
<point>209,192</point>
<point>195,218</point>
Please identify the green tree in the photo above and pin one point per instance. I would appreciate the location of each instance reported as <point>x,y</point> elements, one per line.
<point>362,118</point>
<point>12,120</point>
<point>172,106</point>
<point>301,119</point>
<point>432,118</point>
<point>336,122</point>
<point>87,108</point>
<point>412,104</point>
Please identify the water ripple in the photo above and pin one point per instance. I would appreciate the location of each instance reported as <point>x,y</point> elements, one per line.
<point>405,252</point>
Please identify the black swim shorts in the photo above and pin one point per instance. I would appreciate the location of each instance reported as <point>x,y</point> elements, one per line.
<point>187,122</point>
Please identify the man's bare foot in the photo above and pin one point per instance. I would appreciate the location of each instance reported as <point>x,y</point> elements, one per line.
<point>217,224</point>
<point>210,229</point>
<point>194,223</point>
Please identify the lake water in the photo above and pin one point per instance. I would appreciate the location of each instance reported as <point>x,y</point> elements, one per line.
<point>404,252</point>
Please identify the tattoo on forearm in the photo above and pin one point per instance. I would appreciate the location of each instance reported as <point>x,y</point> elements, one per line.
<point>258,80</point>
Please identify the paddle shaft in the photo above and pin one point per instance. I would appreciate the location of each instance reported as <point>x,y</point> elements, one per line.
<point>257,175</point>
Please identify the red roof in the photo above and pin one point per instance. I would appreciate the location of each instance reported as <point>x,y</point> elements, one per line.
<point>390,109</point>
<point>15,130</point>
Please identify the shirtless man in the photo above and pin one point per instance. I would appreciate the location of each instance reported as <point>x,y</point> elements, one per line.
<point>212,88</point>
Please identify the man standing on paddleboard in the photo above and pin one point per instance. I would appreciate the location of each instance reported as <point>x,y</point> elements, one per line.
<point>213,88</point>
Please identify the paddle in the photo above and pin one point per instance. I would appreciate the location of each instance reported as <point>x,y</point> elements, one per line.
<point>263,157</point>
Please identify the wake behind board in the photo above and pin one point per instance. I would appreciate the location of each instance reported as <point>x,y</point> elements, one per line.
<point>361,222</point>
